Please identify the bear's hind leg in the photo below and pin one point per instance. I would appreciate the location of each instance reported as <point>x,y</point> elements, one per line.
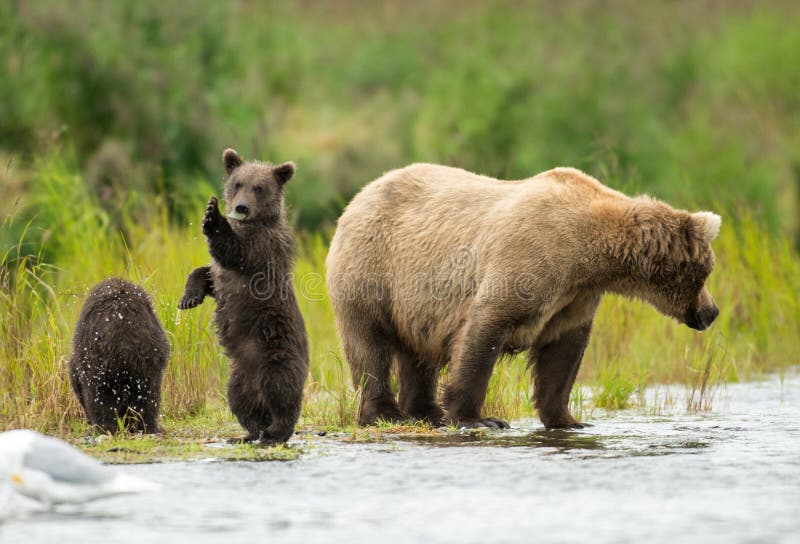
<point>92,407</point>
<point>555,367</point>
<point>255,422</point>
<point>244,401</point>
<point>146,401</point>
<point>367,351</point>
<point>109,402</point>
<point>105,414</point>
<point>418,383</point>
<point>283,398</point>
<point>76,388</point>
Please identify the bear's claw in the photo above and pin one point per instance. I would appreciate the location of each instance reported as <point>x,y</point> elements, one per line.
<point>569,425</point>
<point>488,422</point>
<point>189,302</point>
<point>212,217</point>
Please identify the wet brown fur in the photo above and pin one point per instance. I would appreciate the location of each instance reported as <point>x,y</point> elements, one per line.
<point>434,266</point>
<point>119,354</point>
<point>257,317</point>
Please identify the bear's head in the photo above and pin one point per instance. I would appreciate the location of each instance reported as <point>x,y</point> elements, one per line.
<point>673,256</point>
<point>253,189</point>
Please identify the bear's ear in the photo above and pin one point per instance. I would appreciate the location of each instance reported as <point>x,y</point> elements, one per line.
<point>231,160</point>
<point>707,224</point>
<point>283,172</point>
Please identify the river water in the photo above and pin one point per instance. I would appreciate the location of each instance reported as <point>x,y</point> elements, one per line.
<point>729,475</point>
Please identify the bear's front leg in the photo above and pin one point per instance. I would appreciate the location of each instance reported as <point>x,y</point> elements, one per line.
<point>471,367</point>
<point>223,244</point>
<point>555,367</point>
<point>199,285</point>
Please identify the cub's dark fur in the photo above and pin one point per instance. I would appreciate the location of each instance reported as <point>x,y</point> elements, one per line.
<point>258,320</point>
<point>119,353</point>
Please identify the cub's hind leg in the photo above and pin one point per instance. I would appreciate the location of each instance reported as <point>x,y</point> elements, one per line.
<point>283,398</point>
<point>244,400</point>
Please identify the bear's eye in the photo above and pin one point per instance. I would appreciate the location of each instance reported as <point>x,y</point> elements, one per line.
<point>258,189</point>
<point>237,185</point>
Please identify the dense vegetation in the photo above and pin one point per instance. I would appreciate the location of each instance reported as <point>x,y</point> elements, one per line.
<point>113,117</point>
<point>695,102</point>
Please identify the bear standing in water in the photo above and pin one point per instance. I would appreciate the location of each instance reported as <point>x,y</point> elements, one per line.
<point>119,353</point>
<point>434,266</point>
<point>258,320</point>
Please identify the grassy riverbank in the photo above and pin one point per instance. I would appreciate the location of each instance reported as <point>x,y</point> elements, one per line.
<point>755,283</point>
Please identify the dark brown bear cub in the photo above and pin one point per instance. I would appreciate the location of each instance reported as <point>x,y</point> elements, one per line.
<point>258,320</point>
<point>119,354</point>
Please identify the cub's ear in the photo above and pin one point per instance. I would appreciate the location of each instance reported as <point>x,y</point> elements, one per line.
<point>231,160</point>
<point>283,172</point>
<point>707,224</point>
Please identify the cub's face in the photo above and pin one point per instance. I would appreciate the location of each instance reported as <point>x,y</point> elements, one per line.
<point>254,190</point>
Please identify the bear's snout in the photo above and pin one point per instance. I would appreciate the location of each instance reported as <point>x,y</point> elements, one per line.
<point>701,319</point>
<point>242,209</point>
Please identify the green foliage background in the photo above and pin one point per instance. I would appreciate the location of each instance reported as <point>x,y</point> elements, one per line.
<point>694,102</point>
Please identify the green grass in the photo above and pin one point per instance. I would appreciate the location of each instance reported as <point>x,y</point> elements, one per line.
<point>204,435</point>
<point>755,284</point>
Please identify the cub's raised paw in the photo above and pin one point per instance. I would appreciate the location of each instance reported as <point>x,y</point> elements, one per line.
<point>212,218</point>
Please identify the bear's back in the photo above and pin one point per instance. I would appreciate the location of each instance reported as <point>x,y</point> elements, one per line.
<point>426,205</point>
<point>117,326</point>
<point>430,188</point>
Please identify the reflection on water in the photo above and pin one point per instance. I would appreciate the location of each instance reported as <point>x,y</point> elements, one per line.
<point>730,475</point>
<point>558,440</point>
<point>574,443</point>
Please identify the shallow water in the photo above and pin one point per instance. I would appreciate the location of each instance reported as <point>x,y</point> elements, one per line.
<point>731,475</point>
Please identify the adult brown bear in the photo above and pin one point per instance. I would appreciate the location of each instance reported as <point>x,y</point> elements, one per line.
<point>434,266</point>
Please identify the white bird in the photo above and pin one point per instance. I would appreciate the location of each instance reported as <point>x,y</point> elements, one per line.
<point>53,472</point>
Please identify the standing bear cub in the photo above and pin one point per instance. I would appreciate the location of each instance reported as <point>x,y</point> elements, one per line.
<point>258,320</point>
<point>119,353</point>
<point>434,266</point>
